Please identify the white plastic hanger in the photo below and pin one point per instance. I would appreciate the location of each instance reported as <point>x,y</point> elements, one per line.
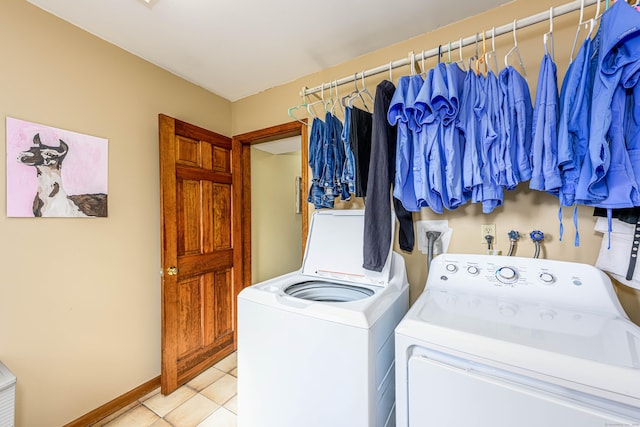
<point>491,58</point>
<point>460,62</point>
<point>472,59</point>
<point>366,92</point>
<point>347,98</point>
<point>591,23</point>
<point>547,39</point>
<point>314,103</point>
<point>515,50</point>
<point>335,102</point>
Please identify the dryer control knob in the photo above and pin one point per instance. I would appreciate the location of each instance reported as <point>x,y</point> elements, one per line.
<point>507,274</point>
<point>451,268</point>
<point>473,270</point>
<point>547,278</point>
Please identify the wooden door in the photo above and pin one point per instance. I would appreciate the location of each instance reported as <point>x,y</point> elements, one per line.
<point>201,249</point>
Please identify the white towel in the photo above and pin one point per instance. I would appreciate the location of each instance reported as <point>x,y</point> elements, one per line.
<point>615,260</point>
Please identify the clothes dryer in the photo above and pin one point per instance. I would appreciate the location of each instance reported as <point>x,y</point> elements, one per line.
<point>316,346</point>
<point>504,341</point>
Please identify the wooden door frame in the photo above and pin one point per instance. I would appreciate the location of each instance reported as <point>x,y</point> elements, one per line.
<point>244,142</point>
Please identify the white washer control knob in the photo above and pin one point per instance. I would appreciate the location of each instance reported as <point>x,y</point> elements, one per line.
<point>507,274</point>
<point>547,278</point>
<point>451,268</point>
<point>473,270</point>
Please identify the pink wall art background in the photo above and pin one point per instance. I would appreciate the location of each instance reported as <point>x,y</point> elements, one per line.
<point>83,170</point>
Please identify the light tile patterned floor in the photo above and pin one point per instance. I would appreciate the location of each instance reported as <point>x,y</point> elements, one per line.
<point>209,400</point>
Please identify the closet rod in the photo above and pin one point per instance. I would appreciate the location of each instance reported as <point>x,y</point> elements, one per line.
<point>507,28</point>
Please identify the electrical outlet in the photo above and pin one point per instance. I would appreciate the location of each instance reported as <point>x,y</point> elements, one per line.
<point>488,229</point>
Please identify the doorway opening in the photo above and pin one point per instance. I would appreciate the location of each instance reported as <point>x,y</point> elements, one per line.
<point>247,141</point>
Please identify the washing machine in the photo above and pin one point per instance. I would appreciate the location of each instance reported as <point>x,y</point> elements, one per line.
<point>499,341</point>
<point>316,346</point>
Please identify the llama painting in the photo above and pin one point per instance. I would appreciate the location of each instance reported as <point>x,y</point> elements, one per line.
<point>54,173</point>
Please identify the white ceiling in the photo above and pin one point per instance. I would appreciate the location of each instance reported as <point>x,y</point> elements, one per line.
<point>236,48</point>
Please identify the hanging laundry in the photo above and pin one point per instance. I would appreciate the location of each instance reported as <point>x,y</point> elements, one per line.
<point>348,170</point>
<point>428,156</point>
<point>377,215</point>
<point>618,59</point>
<point>574,122</point>
<point>469,128</point>
<point>437,107</point>
<point>317,161</point>
<point>360,142</point>
<point>489,113</point>
<point>545,175</point>
<point>517,112</point>
<point>401,113</point>
<point>334,174</point>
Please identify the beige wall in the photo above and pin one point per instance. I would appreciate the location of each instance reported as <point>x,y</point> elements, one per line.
<point>80,299</point>
<point>276,229</point>
<point>524,210</point>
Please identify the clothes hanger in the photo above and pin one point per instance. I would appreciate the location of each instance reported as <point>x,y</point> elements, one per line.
<point>358,93</point>
<point>321,101</point>
<point>460,62</point>
<point>336,103</point>
<point>547,39</point>
<point>299,106</point>
<point>491,55</point>
<point>330,101</point>
<point>347,98</point>
<point>412,61</point>
<point>473,58</point>
<point>366,92</point>
<point>449,54</point>
<point>482,59</point>
<point>587,24</point>
<point>515,50</point>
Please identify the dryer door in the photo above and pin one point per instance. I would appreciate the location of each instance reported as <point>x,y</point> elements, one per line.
<point>456,392</point>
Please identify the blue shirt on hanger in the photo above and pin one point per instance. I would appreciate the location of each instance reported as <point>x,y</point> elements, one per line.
<point>517,112</point>
<point>431,99</point>
<point>452,141</point>
<point>469,128</point>
<point>397,116</point>
<point>618,49</point>
<point>545,175</point>
<point>491,121</point>
<point>573,126</point>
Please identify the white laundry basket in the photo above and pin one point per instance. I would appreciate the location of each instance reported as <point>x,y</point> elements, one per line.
<point>7,397</point>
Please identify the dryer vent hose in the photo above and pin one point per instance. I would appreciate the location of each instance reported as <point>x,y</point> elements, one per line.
<point>432,236</point>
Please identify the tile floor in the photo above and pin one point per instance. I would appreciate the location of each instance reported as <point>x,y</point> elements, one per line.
<point>209,400</point>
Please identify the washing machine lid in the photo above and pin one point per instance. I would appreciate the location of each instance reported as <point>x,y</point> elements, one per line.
<point>335,249</point>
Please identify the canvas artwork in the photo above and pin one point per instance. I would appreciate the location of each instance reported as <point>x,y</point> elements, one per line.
<point>55,172</point>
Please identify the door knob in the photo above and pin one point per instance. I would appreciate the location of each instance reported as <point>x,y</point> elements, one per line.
<point>172,271</point>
